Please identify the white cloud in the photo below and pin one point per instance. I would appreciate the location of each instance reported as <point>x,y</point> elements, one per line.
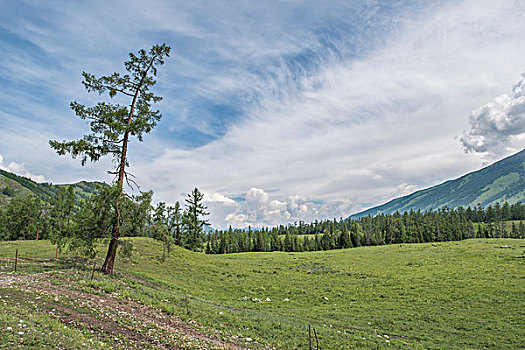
<point>217,198</point>
<point>496,124</point>
<point>20,169</point>
<point>404,189</point>
<point>258,209</point>
<point>348,130</point>
<point>357,129</point>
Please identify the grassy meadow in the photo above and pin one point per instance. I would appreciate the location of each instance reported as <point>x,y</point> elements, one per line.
<point>449,295</point>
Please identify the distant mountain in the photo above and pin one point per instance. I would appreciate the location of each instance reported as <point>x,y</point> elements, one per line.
<point>503,181</point>
<point>12,185</point>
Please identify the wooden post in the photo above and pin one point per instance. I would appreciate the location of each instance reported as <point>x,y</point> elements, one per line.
<point>93,272</point>
<point>310,336</point>
<point>316,340</point>
<point>16,259</point>
<point>56,256</point>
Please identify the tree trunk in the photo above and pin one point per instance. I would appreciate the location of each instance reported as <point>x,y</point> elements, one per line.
<point>107,268</point>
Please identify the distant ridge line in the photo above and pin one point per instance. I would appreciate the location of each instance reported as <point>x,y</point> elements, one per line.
<point>502,181</point>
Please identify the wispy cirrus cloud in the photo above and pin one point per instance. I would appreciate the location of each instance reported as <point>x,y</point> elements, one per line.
<point>349,131</point>
<point>336,105</point>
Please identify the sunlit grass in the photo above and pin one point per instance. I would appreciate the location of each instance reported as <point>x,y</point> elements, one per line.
<point>468,294</point>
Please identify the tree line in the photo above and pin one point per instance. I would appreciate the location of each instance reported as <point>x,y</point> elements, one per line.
<point>409,227</point>
<point>78,225</point>
<point>113,213</point>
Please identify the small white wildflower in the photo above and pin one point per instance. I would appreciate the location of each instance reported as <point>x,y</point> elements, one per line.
<point>9,328</point>
<point>388,341</point>
<point>21,333</point>
<point>325,298</point>
<point>286,299</point>
<point>268,299</point>
<point>245,298</point>
<point>386,336</point>
<point>248,339</point>
<point>379,335</point>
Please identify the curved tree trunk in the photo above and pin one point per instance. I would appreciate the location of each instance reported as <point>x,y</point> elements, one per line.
<point>107,268</point>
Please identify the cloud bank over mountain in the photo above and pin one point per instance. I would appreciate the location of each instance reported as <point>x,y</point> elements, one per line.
<point>20,169</point>
<point>495,125</point>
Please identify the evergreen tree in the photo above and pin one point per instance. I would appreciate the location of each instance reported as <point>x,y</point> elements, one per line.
<point>344,240</point>
<point>306,244</point>
<point>176,222</point>
<point>112,125</point>
<point>21,218</point>
<point>514,231</point>
<point>259,242</point>
<point>61,210</point>
<point>195,222</point>
<point>159,227</point>
<point>288,245</point>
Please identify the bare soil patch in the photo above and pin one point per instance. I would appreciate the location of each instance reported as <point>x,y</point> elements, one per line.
<point>103,313</point>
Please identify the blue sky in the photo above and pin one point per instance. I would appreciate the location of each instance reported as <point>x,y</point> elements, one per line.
<point>279,111</point>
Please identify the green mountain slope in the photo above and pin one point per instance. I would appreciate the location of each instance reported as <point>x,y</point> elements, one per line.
<point>503,181</point>
<point>12,185</point>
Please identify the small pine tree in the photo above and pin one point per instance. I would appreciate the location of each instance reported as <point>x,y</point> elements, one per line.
<point>344,239</point>
<point>195,211</point>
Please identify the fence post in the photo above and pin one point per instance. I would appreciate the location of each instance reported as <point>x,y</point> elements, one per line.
<point>56,256</point>
<point>310,337</point>
<point>16,259</point>
<point>93,272</point>
<point>316,340</point>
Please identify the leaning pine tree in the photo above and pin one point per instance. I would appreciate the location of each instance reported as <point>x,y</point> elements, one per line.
<point>112,125</point>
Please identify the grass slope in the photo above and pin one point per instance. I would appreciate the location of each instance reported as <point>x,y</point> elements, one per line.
<point>503,181</point>
<point>12,185</point>
<point>467,295</point>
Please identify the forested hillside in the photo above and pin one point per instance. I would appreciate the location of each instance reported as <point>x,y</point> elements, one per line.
<point>503,181</point>
<point>12,185</point>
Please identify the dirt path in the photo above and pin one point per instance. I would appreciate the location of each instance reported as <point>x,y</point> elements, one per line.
<point>103,314</point>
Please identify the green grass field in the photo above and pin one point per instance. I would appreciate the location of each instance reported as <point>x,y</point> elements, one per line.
<point>450,295</point>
